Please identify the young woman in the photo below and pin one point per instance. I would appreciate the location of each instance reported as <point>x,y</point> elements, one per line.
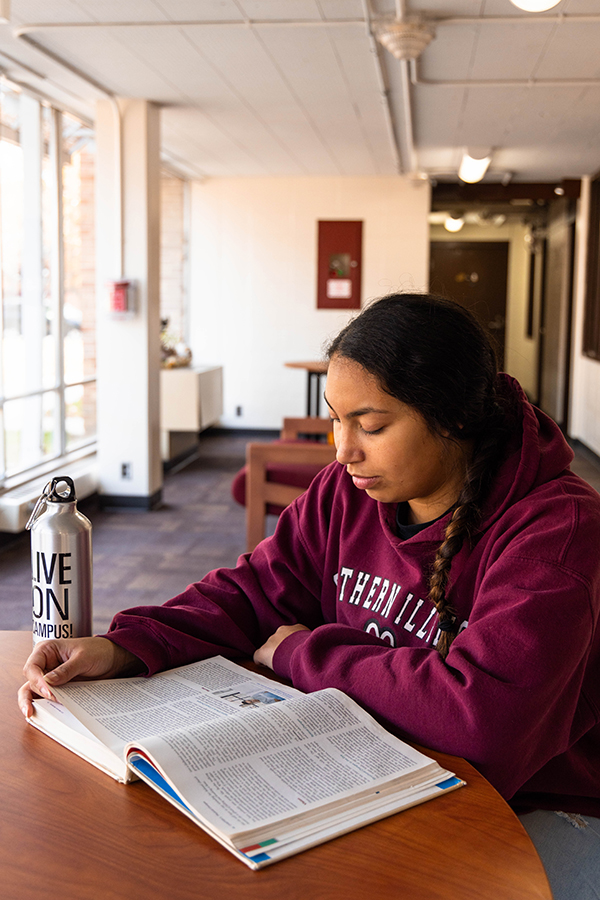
<point>444,572</point>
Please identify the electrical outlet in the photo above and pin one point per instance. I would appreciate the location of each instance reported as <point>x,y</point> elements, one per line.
<point>238,410</point>
<point>125,470</point>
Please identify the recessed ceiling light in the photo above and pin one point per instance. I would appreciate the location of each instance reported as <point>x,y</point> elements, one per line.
<point>535,5</point>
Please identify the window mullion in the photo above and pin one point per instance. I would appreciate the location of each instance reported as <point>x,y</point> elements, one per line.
<point>58,268</point>
<point>2,428</point>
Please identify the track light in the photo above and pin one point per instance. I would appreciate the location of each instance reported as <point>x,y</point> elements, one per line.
<point>454,222</point>
<point>4,12</point>
<point>474,165</point>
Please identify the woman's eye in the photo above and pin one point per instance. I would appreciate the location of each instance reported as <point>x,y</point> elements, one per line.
<point>376,431</point>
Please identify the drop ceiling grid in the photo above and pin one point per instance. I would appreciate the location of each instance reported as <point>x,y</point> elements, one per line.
<point>190,134</point>
<point>100,53</point>
<point>573,52</point>
<point>447,8</point>
<point>280,9</point>
<point>239,60</point>
<point>120,10</point>
<point>156,10</point>
<point>359,71</point>
<point>588,129</point>
<point>439,161</point>
<point>579,7</point>
<point>447,58</point>
<point>310,67</point>
<point>499,119</point>
<point>192,10</point>
<point>509,51</point>
<point>246,65</point>
<point>25,12</point>
<point>435,113</point>
<point>342,9</point>
<point>198,81</point>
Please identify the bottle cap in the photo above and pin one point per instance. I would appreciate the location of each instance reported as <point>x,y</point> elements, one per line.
<point>64,495</point>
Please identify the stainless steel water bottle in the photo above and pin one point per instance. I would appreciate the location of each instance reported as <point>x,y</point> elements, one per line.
<point>61,560</point>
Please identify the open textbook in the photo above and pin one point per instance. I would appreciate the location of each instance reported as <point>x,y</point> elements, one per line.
<point>264,769</point>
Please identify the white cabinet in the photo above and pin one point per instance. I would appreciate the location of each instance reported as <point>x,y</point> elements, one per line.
<point>191,399</point>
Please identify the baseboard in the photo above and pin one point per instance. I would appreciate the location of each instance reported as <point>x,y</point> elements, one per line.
<point>585,451</point>
<point>263,433</point>
<point>130,501</point>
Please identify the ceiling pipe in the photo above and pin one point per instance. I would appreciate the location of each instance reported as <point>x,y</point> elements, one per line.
<point>403,37</point>
<point>407,99</point>
<point>384,91</point>
<point>557,18</point>
<point>417,79</point>
<point>182,23</point>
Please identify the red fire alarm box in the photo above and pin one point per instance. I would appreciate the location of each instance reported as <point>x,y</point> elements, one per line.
<point>121,297</point>
<point>339,265</point>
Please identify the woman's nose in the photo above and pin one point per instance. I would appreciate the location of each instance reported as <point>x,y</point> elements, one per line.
<point>347,447</point>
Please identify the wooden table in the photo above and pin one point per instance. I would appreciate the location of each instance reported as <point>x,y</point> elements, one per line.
<point>69,832</point>
<point>315,371</point>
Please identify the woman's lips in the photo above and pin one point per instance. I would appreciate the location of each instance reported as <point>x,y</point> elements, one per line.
<point>364,483</point>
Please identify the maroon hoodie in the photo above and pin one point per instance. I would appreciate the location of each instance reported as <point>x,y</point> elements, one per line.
<point>519,693</point>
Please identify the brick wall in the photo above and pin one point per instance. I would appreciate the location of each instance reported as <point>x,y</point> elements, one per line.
<point>172,254</point>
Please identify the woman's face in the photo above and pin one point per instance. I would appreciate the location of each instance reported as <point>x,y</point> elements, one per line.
<point>387,447</point>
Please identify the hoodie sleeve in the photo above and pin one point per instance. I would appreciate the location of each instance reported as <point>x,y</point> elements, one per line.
<point>231,612</point>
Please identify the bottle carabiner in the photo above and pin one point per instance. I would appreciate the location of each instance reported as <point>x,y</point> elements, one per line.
<point>36,509</point>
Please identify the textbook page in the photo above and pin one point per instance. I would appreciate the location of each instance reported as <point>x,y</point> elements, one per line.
<point>315,755</point>
<point>120,710</point>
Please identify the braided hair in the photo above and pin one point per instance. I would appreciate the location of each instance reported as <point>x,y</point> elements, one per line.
<point>432,354</point>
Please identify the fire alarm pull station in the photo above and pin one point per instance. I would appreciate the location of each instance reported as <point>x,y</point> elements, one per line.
<point>339,265</point>
<point>121,298</point>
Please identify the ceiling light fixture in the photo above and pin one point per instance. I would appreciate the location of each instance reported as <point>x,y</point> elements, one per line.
<point>4,12</point>
<point>474,164</point>
<point>454,222</point>
<point>535,5</point>
<point>404,38</point>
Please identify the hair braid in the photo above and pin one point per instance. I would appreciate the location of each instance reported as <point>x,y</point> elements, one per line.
<point>462,525</point>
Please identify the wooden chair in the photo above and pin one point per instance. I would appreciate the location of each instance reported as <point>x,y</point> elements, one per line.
<point>279,471</point>
<point>313,426</point>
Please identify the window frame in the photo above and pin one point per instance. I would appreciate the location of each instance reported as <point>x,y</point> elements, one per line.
<point>23,473</point>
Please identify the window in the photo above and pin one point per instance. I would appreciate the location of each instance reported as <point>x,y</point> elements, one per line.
<point>79,307</point>
<point>47,369</point>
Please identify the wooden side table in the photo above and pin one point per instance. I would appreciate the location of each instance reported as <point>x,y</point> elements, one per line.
<point>315,370</point>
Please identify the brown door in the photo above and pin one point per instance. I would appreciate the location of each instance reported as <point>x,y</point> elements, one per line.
<point>474,274</point>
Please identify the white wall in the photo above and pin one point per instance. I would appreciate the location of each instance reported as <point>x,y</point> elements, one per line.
<point>128,348</point>
<point>521,352</point>
<point>585,382</point>
<point>253,277</point>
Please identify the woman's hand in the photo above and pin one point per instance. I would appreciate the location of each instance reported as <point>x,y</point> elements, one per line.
<point>57,661</point>
<point>264,654</point>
